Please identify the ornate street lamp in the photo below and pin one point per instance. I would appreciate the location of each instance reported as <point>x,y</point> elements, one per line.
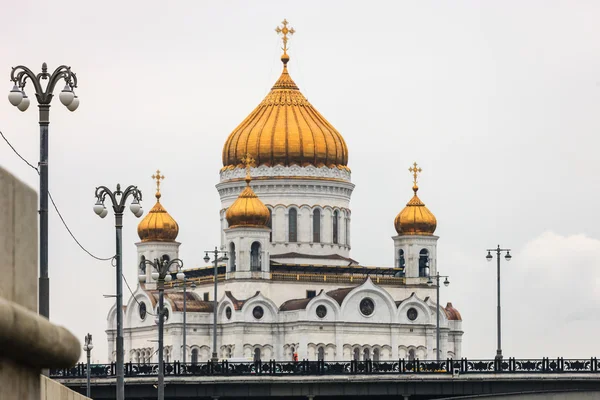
<point>20,75</point>
<point>87,347</point>
<point>215,252</point>
<point>507,257</point>
<point>118,199</point>
<point>437,277</point>
<point>161,275</point>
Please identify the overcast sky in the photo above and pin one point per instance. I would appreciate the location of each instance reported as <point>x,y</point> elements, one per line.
<point>498,101</point>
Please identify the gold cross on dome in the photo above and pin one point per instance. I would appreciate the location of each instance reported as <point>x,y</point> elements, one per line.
<point>415,170</point>
<point>248,162</point>
<point>284,31</point>
<point>158,178</point>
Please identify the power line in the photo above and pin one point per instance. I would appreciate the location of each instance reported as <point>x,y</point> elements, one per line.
<point>53,203</point>
<point>136,300</point>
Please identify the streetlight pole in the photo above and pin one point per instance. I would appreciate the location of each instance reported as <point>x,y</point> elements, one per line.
<point>118,199</point>
<point>181,276</point>
<point>87,347</point>
<point>437,277</point>
<point>17,97</point>
<point>216,252</point>
<point>162,267</point>
<point>489,257</point>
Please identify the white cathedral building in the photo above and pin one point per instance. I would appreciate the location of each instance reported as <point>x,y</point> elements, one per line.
<point>289,284</point>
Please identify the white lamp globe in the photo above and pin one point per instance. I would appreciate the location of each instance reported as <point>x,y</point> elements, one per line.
<point>142,278</point>
<point>66,96</point>
<point>15,96</point>
<point>154,275</point>
<point>104,213</point>
<point>74,104</point>
<point>98,207</point>
<point>168,278</point>
<point>180,276</point>
<point>140,212</point>
<point>135,207</point>
<point>24,104</point>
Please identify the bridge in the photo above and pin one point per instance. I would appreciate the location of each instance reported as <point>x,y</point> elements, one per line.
<point>401,379</point>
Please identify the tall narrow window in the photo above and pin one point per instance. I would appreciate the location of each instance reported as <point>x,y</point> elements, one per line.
<point>347,226</point>
<point>317,226</point>
<point>423,263</point>
<point>356,354</point>
<point>375,355</point>
<point>255,257</point>
<point>321,354</point>
<point>293,225</point>
<point>411,355</point>
<point>194,356</point>
<point>401,262</point>
<point>257,354</point>
<point>232,257</point>
<point>366,354</point>
<point>336,217</point>
<point>270,225</point>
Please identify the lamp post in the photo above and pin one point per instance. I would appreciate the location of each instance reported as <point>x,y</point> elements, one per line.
<point>161,275</point>
<point>118,199</point>
<point>181,276</point>
<point>437,277</point>
<point>508,257</point>
<point>87,347</point>
<point>17,97</point>
<point>215,252</point>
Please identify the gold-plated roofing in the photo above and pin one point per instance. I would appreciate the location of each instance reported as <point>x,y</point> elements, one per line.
<point>415,218</point>
<point>158,225</point>
<point>285,129</point>
<point>247,210</point>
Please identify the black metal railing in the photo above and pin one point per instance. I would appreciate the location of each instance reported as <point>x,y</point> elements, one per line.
<point>305,367</point>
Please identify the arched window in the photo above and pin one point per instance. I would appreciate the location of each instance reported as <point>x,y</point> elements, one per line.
<point>375,354</point>
<point>232,257</point>
<point>167,355</point>
<point>270,225</point>
<point>401,262</point>
<point>137,357</point>
<point>321,354</point>
<point>194,356</point>
<point>293,225</point>
<point>256,354</point>
<point>255,257</point>
<point>366,354</point>
<point>423,263</point>
<point>356,354</point>
<point>336,228</point>
<point>317,226</point>
<point>347,226</point>
<point>411,355</point>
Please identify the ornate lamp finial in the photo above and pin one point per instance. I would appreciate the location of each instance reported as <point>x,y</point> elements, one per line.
<point>415,170</point>
<point>284,31</point>
<point>248,162</point>
<point>158,177</point>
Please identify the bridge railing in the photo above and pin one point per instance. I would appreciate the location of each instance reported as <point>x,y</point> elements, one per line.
<point>305,367</point>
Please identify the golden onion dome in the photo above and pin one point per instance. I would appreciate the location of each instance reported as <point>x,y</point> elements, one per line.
<point>247,209</point>
<point>158,225</point>
<point>415,218</point>
<point>285,129</point>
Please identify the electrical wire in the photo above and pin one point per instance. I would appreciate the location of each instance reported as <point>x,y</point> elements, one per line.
<point>54,204</point>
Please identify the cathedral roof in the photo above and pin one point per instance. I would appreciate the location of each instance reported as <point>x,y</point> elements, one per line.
<point>340,294</point>
<point>415,218</point>
<point>158,225</point>
<point>285,129</point>
<point>247,210</point>
<point>452,313</point>
<point>238,304</point>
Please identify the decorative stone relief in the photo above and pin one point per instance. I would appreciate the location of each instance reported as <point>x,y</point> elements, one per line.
<point>294,170</point>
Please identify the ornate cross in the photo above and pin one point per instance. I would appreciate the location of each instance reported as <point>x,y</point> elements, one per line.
<point>158,178</point>
<point>415,170</point>
<point>284,32</point>
<point>248,162</point>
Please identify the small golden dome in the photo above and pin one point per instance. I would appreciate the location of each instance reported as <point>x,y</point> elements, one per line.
<point>285,129</point>
<point>247,209</point>
<point>415,218</point>
<point>158,225</point>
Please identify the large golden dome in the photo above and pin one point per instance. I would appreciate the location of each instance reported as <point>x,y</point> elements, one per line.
<point>158,225</point>
<point>415,218</point>
<point>285,129</point>
<point>247,209</point>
